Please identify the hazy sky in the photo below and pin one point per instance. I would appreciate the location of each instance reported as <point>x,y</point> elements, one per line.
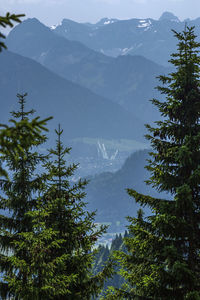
<point>53,11</point>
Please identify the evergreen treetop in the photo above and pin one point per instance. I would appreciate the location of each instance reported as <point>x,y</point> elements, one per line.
<point>163,260</point>
<point>5,21</point>
<point>20,134</point>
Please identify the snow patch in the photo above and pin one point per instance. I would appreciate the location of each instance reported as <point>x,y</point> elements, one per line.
<point>109,22</point>
<point>126,50</point>
<point>53,27</point>
<point>144,24</point>
<point>106,22</point>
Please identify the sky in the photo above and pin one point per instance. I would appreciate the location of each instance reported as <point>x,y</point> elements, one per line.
<point>51,12</point>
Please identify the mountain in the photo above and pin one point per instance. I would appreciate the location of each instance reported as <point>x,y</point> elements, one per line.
<point>104,21</point>
<point>127,80</point>
<point>150,38</point>
<point>80,112</point>
<point>169,16</point>
<point>106,192</point>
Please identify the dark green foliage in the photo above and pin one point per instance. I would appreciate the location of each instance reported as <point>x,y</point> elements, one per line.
<point>19,136</point>
<point>117,243</point>
<point>163,251</point>
<point>8,20</point>
<point>75,227</point>
<point>20,157</point>
<point>58,246</point>
<point>104,254</point>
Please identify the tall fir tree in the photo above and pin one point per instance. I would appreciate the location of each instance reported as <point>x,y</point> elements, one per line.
<point>18,190</point>
<point>61,242</point>
<point>18,135</point>
<point>163,260</point>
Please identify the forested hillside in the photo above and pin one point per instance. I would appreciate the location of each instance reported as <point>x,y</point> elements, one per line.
<point>107,191</point>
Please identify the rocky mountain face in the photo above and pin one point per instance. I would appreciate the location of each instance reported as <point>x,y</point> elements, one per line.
<point>147,37</point>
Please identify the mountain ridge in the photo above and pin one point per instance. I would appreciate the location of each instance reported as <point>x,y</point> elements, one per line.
<point>77,108</point>
<point>151,38</point>
<point>118,79</point>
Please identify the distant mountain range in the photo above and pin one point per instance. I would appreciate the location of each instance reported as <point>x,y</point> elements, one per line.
<point>80,112</point>
<point>150,38</point>
<point>127,80</point>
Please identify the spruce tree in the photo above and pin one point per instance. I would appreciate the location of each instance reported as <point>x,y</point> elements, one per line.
<point>163,260</point>
<point>60,244</point>
<point>18,191</point>
<point>5,21</point>
<point>19,135</point>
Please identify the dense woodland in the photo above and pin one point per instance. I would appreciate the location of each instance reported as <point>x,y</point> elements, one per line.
<point>48,237</point>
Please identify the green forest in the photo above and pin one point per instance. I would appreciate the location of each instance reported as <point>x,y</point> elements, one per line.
<point>48,239</point>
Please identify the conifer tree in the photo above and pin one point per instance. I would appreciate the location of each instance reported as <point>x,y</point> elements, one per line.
<point>19,135</point>
<point>60,244</point>
<point>5,21</point>
<point>8,136</point>
<point>163,260</point>
<point>18,190</point>
<point>103,255</point>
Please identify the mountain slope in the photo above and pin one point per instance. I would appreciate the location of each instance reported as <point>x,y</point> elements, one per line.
<point>106,192</point>
<point>127,80</point>
<point>80,112</point>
